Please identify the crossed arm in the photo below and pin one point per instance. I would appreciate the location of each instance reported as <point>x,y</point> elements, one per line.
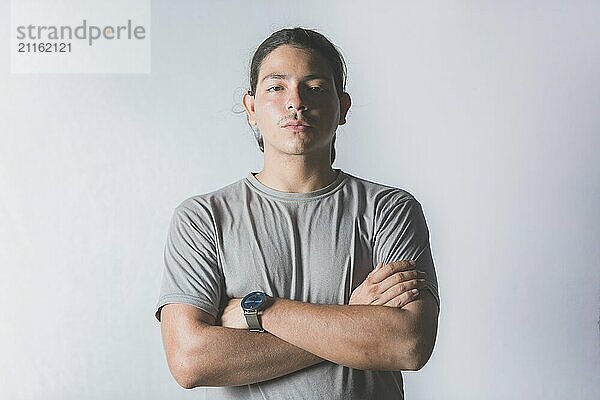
<point>385,327</point>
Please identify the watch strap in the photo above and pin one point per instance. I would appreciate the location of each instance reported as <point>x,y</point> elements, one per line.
<point>253,321</point>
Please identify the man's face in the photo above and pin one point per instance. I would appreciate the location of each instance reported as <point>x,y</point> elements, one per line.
<point>296,106</point>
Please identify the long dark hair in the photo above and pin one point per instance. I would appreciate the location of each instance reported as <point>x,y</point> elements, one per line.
<point>305,39</point>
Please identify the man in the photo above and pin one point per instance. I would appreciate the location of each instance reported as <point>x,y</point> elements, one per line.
<point>299,281</point>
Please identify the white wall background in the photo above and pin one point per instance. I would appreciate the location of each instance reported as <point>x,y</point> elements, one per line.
<point>487,111</point>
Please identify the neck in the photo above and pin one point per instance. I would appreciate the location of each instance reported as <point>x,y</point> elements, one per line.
<point>296,174</point>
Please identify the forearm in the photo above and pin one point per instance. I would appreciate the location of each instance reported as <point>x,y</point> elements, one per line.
<point>218,356</point>
<point>362,337</point>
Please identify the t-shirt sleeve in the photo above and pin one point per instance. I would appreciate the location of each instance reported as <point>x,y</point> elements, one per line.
<point>401,233</point>
<point>191,272</point>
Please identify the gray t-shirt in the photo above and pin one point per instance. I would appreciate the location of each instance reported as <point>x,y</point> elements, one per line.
<point>313,247</point>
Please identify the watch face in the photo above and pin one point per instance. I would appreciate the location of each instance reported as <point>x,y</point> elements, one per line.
<point>254,300</point>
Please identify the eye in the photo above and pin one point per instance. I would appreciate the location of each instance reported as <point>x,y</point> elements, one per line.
<point>274,88</point>
<point>317,89</point>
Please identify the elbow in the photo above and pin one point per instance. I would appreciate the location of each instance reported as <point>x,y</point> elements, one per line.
<point>186,375</point>
<point>188,370</point>
<point>185,383</point>
<point>415,363</point>
<point>414,357</point>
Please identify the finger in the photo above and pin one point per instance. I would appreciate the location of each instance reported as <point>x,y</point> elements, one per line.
<point>394,279</point>
<point>403,299</point>
<point>376,268</point>
<point>389,269</point>
<point>398,289</point>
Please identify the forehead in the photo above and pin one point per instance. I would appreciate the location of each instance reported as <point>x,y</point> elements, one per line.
<point>294,61</point>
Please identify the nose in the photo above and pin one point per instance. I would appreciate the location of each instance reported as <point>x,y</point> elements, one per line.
<point>296,100</point>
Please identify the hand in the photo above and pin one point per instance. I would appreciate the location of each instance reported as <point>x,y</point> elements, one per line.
<point>233,316</point>
<point>393,285</point>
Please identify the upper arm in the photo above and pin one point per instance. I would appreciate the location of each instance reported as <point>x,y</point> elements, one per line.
<point>191,274</point>
<point>401,233</point>
<point>424,321</point>
<point>181,328</point>
<point>179,322</point>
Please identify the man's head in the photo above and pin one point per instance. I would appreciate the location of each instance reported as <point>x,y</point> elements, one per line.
<point>299,74</point>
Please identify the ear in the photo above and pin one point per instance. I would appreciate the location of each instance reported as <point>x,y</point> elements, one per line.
<point>345,103</point>
<point>248,101</point>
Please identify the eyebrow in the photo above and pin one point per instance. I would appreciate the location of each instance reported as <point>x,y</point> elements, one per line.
<point>276,75</point>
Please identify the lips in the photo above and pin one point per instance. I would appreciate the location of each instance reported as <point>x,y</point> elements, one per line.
<point>296,123</point>
<point>297,126</point>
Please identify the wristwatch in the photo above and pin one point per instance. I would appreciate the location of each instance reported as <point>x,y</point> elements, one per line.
<point>253,304</point>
